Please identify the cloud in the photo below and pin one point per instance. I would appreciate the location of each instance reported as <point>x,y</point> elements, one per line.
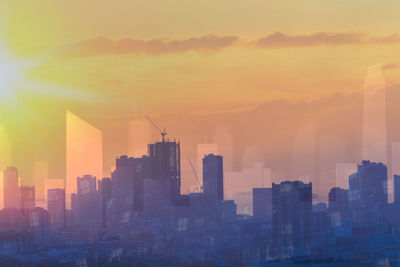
<point>390,66</point>
<point>106,46</point>
<point>281,40</point>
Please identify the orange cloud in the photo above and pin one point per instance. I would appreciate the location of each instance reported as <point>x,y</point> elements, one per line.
<point>281,40</point>
<point>390,66</point>
<point>103,46</point>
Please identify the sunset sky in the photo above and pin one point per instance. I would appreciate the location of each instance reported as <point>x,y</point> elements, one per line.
<point>108,61</point>
<point>200,53</point>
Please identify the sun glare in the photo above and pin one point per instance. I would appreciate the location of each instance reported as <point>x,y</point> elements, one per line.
<point>11,73</point>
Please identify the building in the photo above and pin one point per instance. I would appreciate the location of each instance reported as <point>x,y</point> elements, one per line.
<point>213,177</point>
<point>127,187</point>
<point>262,202</point>
<point>27,197</point>
<point>167,165</point>
<point>292,209</point>
<point>104,188</point>
<point>56,206</point>
<point>338,206</point>
<point>11,190</point>
<point>396,189</point>
<point>87,210</point>
<point>368,192</point>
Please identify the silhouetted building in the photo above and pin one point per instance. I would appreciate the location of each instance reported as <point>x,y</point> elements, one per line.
<point>39,224</point>
<point>104,187</point>
<point>262,202</point>
<point>213,177</point>
<point>167,165</point>
<point>368,192</point>
<point>87,205</point>
<point>27,197</point>
<point>11,190</point>
<point>127,187</point>
<point>56,206</point>
<point>292,207</point>
<point>338,206</point>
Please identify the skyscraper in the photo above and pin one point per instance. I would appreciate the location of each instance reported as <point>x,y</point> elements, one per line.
<point>56,206</point>
<point>84,148</point>
<point>292,207</point>
<point>368,192</point>
<point>213,177</point>
<point>167,165</point>
<point>87,212</point>
<point>11,190</point>
<point>27,197</point>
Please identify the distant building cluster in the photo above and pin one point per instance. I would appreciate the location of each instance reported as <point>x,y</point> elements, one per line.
<point>139,215</point>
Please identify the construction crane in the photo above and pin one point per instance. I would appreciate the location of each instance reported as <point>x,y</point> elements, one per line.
<point>195,174</point>
<point>162,132</point>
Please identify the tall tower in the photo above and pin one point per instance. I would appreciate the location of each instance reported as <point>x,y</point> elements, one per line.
<point>11,190</point>
<point>167,163</point>
<point>213,177</point>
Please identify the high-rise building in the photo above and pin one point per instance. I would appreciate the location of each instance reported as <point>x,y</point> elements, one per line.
<point>56,206</point>
<point>338,206</point>
<point>167,165</point>
<point>104,188</point>
<point>292,208</point>
<point>11,189</point>
<point>27,194</point>
<point>262,202</point>
<point>368,192</point>
<point>213,177</point>
<point>84,152</point>
<point>87,212</point>
<point>127,186</point>
<point>202,151</point>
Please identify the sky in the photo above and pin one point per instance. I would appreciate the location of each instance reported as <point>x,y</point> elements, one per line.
<point>109,61</point>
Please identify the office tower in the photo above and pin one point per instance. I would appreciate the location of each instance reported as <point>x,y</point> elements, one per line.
<point>87,205</point>
<point>202,151</point>
<point>84,148</point>
<point>262,202</point>
<point>27,194</point>
<point>213,177</point>
<point>40,175</point>
<point>292,207</point>
<point>127,186</point>
<point>104,188</point>
<point>56,206</point>
<point>11,189</point>
<point>338,206</point>
<point>39,224</point>
<point>167,165</point>
<point>139,137</point>
<point>368,192</point>
<point>374,116</point>
<point>368,186</point>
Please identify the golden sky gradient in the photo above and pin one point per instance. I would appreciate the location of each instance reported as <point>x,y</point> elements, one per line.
<point>108,61</point>
<point>201,53</point>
